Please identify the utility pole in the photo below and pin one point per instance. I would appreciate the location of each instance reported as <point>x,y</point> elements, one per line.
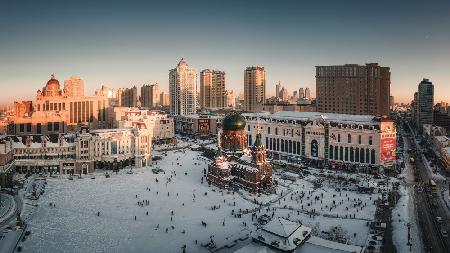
<point>409,235</point>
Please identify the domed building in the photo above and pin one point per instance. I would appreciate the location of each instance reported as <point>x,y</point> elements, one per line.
<point>52,88</point>
<point>233,138</point>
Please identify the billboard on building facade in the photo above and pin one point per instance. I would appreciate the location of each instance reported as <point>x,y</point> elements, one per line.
<point>388,148</point>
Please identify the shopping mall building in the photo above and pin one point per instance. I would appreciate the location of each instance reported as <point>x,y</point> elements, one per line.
<point>335,141</point>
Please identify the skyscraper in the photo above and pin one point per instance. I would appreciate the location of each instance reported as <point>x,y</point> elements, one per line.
<point>284,94</point>
<point>150,95</point>
<point>183,89</point>
<point>301,93</point>
<point>212,89</point>
<point>277,89</point>
<point>231,99</point>
<point>353,89</point>
<point>128,97</point>
<point>74,87</point>
<point>307,94</point>
<point>254,88</point>
<point>424,104</point>
<point>164,99</point>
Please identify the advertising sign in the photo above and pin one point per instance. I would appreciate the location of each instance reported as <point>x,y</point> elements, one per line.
<point>388,148</point>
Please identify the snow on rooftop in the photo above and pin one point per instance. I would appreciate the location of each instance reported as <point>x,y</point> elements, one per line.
<point>330,245</point>
<point>282,234</point>
<point>441,138</point>
<point>254,248</point>
<point>307,116</point>
<point>281,227</point>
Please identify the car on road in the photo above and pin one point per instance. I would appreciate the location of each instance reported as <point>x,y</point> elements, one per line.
<point>444,233</point>
<point>439,219</point>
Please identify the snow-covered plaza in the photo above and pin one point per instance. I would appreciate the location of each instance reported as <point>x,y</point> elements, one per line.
<point>147,212</point>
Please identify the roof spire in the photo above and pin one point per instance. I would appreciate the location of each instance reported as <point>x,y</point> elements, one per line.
<point>258,142</point>
<point>219,149</point>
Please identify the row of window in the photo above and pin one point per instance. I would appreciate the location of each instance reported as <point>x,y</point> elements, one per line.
<point>51,126</point>
<point>351,154</point>
<point>290,132</point>
<point>348,154</point>
<point>349,139</point>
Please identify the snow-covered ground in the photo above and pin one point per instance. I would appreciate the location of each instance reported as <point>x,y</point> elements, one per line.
<point>405,211</point>
<point>402,215</point>
<point>103,214</point>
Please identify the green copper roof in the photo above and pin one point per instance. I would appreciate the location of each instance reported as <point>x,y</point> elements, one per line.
<point>233,121</point>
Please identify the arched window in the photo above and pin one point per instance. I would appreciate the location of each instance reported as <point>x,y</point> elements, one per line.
<point>282,145</point>
<point>314,148</point>
<point>267,142</point>
<point>330,155</point>
<point>270,143</point>
<point>276,130</point>
<point>290,146</point>
<point>298,148</point>
<point>370,140</point>
<point>346,153</point>
<point>349,138</point>
<point>372,156</point>
<point>294,147</point>
<point>361,154</point>
<point>359,139</point>
<point>352,154</point>
<point>341,153</point>
<point>367,156</point>
<point>336,153</point>
<point>278,144</point>
<point>268,130</point>
<point>339,137</point>
<point>357,155</point>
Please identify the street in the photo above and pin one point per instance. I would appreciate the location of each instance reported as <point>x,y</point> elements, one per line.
<point>429,206</point>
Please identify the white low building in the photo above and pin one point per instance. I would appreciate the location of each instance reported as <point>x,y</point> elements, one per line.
<point>282,234</point>
<point>336,140</point>
<point>161,124</point>
<point>80,153</point>
<point>104,147</point>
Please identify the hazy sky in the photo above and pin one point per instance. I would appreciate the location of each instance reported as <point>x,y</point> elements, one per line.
<point>127,43</point>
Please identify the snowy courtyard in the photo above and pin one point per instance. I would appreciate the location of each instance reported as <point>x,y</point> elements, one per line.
<point>147,212</point>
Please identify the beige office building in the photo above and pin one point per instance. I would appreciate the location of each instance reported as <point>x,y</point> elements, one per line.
<point>254,88</point>
<point>353,89</point>
<point>212,89</point>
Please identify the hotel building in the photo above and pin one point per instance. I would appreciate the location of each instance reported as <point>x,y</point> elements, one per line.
<point>353,89</point>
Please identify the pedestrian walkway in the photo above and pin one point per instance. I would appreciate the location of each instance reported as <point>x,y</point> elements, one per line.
<point>7,207</point>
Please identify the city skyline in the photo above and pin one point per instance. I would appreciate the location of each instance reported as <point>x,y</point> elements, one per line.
<point>139,48</point>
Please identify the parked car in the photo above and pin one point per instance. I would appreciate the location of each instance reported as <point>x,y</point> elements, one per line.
<point>444,233</point>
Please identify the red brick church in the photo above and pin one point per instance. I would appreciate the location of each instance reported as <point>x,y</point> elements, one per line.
<point>251,171</point>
